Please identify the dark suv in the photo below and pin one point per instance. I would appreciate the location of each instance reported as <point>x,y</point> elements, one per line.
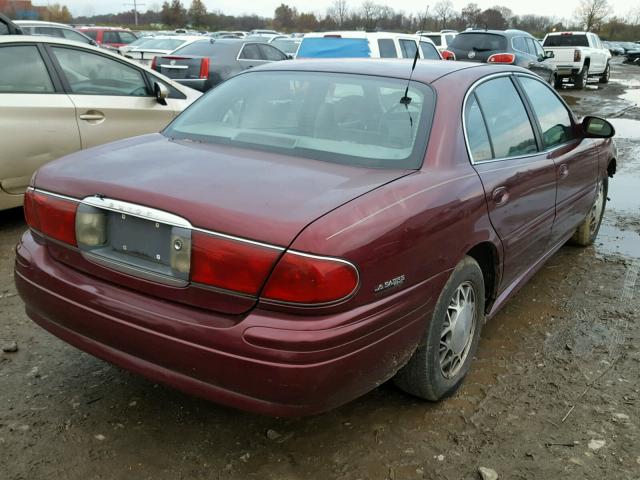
<point>513,47</point>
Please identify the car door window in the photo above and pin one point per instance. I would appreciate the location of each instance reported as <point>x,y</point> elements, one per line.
<point>110,37</point>
<point>387,48</point>
<point>429,51</point>
<point>250,52</point>
<point>539,50</point>
<point>271,53</point>
<point>408,48</point>
<point>93,74</point>
<point>75,36</point>
<point>476,131</point>
<point>507,121</point>
<point>553,117</point>
<point>48,31</point>
<point>23,71</point>
<point>127,37</point>
<point>531,44</point>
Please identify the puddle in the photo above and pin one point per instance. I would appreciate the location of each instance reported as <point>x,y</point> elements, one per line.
<point>615,241</point>
<point>626,128</point>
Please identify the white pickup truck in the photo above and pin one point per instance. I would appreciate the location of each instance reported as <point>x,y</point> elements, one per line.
<point>578,56</point>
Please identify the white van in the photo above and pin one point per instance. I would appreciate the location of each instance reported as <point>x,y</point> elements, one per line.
<point>355,44</point>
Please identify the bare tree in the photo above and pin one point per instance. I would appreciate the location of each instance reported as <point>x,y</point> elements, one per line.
<point>339,12</point>
<point>591,13</point>
<point>443,11</point>
<point>371,14</point>
<point>471,15</point>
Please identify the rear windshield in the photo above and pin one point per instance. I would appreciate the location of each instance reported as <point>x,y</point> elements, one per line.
<point>340,118</point>
<point>162,44</point>
<point>202,48</point>
<point>480,42</point>
<point>334,47</point>
<point>566,41</point>
<point>437,39</point>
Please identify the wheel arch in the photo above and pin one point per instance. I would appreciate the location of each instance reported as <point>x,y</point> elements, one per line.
<point>488,258</point>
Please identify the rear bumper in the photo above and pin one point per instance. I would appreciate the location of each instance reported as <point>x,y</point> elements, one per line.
<point>567,71</point>
<point>197,84</point>
<point>268,362</point>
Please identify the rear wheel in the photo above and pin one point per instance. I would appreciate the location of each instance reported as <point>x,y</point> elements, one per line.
<point>582,77</point>
<point>587,231</point>
<point>604,78</point>
<point>557,82</point>
<point>442,360</point>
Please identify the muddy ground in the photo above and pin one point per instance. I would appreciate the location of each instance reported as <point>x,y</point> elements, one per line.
<point>554,391</point>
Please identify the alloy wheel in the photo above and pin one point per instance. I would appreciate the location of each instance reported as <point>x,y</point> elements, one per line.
<point>458,330</point>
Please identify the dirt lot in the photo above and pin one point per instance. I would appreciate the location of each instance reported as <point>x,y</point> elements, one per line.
<point>554,392</point>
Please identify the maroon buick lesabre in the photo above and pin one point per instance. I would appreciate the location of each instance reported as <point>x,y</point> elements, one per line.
<point>311,229</point>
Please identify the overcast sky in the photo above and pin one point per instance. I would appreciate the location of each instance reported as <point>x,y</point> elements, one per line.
<point>559,8</point>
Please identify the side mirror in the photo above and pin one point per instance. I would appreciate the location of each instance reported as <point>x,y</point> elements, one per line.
<point>289,57</point>
<point>161,92</point>
<point>549,54</point>
<point>595,127</point>
<point>94,43</point>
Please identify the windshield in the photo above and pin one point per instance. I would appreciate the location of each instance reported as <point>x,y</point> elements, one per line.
<point>480,42</point>
<point>341,118</point>
<point>566,41</point>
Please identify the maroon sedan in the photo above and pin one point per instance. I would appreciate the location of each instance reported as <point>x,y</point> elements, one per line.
<point>309,229</point>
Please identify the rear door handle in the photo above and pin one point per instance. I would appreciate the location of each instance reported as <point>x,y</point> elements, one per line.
<point>563,171</point>
<point>500,196</point>
<point>92,116</point>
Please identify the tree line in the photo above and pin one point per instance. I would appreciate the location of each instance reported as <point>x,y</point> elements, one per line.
<point>592,15</point>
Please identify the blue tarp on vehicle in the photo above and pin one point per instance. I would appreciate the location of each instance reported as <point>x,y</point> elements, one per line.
<point>332,47</point>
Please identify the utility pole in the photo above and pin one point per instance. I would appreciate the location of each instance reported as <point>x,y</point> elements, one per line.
<point>135,6</point>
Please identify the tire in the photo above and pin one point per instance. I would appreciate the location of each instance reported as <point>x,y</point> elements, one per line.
<point>427,374</point>
<point>587,231</point>
<point>553,80</point>
<point>582,78</point>
<point>557,82</point>
<point>604,78</point>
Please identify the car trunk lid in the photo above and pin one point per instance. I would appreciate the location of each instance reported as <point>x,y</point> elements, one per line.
<point>225,193</point>
<point>182,67</point>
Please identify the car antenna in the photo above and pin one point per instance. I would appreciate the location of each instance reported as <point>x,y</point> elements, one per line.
<point>406,99</point>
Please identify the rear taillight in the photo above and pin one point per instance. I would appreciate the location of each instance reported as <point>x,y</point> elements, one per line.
<point>204,68</point>
<point>502,58</point>
<point>154,63</point>
<point>308,279</point>
<point>230,264</point>
<point>52,216</point>
<point>448,55</point>
<point>577,55</point>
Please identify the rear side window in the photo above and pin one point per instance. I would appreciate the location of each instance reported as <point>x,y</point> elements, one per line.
<point>387,48</point>
<point>271,53</point>
<point>92,34</point>
<point>251,52</point>
<point>506,118</point>
<point>519,43</point>
<point>408,48</point>
<point>480,42</point>
<point>553,117</point>
<point>477,136</point>
<point>23,71</point>
<point>429,51</point>
<point>568,40</point>
<point>75,36</point>
<point>110,37</point>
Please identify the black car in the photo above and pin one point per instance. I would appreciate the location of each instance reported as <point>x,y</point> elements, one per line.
<point>205,63</point>
<point>504,46</point>
<point>7,27</point>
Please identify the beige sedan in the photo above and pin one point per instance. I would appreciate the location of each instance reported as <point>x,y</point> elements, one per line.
<point>59,96</point>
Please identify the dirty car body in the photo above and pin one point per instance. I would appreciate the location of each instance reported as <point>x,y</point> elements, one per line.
<point>290,261</point>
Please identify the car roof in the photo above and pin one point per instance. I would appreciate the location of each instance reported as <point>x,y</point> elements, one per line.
<point>120,29</point>
<point>36,23</point>
<point>361,34</point>
<point>426,71</point>
<point>510,32</point>
<point>567,32</point>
